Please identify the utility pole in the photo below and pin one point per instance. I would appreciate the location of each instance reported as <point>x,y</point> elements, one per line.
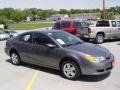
<point>104,10</point>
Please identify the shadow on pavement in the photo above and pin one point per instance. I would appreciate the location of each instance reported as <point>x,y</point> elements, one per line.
<point>118,44</point>
<point>84,78</point>
<point>94,78</point>
<point>107,41</point>
<point>40,68</point>
<point>112,40</point>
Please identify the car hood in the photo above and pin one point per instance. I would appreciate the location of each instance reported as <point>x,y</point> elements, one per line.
<point>90,49</point>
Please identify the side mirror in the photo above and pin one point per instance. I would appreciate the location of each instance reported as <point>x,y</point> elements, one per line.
<point>51,45</point>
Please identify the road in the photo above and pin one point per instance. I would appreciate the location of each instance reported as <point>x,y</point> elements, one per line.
<point>31,77</point>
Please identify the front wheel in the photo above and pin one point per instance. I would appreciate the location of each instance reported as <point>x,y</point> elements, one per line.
<point>86,39</point>
<point>70,70</point>
<point>99,39</point>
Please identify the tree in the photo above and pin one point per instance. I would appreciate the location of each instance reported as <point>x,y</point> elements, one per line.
<point>63,11</point>
<point>4,21</point>
<point>7,12</point>
<point>110,16</point>
<point>17,15</point>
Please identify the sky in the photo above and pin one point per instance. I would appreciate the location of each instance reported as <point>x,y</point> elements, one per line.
<point>58,4</point>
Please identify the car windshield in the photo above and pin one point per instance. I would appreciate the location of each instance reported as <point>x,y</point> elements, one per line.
<point>65,39</point>
<point>80,24</point>
<point>12,31</point>
<point>102,24</point>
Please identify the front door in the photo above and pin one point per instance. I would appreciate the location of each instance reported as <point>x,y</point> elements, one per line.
<point>41,53</point>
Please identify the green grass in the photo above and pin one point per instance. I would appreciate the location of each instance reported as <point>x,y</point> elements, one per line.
<point>29,26</point>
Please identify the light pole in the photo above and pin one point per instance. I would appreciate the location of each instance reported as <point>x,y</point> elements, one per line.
<point>104,11</point>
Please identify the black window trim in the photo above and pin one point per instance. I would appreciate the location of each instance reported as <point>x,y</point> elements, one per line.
<point>43,34</point>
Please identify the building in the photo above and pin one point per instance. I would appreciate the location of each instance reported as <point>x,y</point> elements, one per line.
<point>1,27</point>
<point>86,16</point>
<point>117,16</point>
<point>58,17</point>
<point>28,19</point>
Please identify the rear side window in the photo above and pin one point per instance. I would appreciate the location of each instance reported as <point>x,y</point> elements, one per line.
<point>65,24</point>
<point>118,23</point>
<point>57,26</point>
<point>113,23</point>
<point>26,38</point>
<point>103,24</point>
<point>41,39</point>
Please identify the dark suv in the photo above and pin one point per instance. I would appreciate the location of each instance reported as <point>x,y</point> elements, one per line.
<point>74,27</point>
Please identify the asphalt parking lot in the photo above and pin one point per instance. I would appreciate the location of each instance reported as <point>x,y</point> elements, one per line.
<point>31,77</point>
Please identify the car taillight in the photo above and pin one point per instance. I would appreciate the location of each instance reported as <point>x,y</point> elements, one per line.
<point>113,63</point>
<point>89,30</point>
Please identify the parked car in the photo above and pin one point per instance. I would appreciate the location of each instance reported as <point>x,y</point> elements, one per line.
<point>11,33</point>
<point>60,50</point>
<point>104,29</point>
<point>3,36</point>
<point>1,27</point>
<point>71,26</point>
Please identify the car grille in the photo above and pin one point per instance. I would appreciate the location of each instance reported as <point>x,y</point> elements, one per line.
<point>107,60</point>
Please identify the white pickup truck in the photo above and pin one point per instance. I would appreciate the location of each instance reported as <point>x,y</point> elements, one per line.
<point>103,29</point>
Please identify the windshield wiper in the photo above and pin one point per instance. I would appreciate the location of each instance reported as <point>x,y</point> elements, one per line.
<point>77,43</point>
<point>67,45</point>
<point>72,44</point>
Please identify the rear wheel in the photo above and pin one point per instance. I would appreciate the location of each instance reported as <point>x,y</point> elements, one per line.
<point>99,38</point>
<point>15,58</point>
<point>70,70</point>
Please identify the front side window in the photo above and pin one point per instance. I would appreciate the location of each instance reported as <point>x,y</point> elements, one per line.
<point>26,38</point>
<point>41,39</point>
<point>65,24</point>
<point>113,23</point>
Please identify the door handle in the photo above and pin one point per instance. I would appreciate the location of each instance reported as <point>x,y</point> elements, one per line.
<point>118,28</point>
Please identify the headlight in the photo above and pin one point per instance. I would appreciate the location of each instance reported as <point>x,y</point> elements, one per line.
<point>95,59</point>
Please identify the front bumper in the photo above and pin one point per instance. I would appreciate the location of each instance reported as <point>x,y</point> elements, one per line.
<point>98,68</point>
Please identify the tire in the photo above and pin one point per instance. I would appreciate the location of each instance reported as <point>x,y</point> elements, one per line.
<point>99,38</point>
<point>70,70</point>
<point>86,39</point>
<point>15,58</point>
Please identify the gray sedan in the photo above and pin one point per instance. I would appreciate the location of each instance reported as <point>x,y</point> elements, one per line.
<point>62,51</point>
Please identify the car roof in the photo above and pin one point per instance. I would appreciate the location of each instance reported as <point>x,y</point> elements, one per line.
<point>44,31</point>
